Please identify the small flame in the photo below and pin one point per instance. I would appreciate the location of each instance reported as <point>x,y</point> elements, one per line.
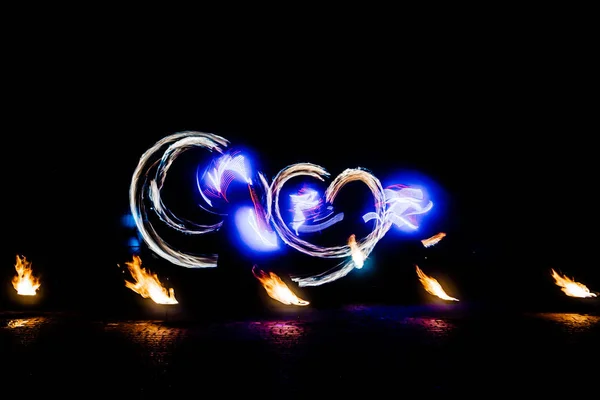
<point>277,289</point>
<point>24,282</point>
<point>432,286</point>
<point>570,287</point>
<point>147,284</point>
<point>433,240</point>
<point>357,255</point>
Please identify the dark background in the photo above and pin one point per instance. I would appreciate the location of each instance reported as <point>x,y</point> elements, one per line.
<point>503,127</point>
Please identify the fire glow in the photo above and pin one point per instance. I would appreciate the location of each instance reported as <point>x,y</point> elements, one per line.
<point>147,284</point>
<point>432,286</point>
<point>358,256</point>
<point>570,287</point>
<point>24,282</point>
<point>433,240</point>
<point>277,289</point>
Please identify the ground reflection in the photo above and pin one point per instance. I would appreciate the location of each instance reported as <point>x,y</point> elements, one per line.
<point>401,317</point>
<point>26,330</point>
<point>433,326</point>
<point>157,340</point>
<point>17,323</point>
<point>571,321</point>
<point>289,329</point>
<point>285,344</point>
<point>284,334</point>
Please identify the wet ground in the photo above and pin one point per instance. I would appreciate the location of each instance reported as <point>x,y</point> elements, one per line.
<point>376,350</point>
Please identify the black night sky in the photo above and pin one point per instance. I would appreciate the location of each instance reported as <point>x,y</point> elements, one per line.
<point>509,145</point>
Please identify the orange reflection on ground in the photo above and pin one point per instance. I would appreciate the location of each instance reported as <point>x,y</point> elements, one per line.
<point>572,321</point>
<point>26,330</point>
<point>155,338</point>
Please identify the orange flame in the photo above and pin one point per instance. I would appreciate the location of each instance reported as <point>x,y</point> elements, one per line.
<point>433,240</point>
<point>432,286</point>
<point>277,289</point>
<point>24,282</point>
<point>570,287</point>
<point>357,255</point>
<point>147,284</point>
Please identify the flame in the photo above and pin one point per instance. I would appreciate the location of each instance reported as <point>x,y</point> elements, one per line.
<point>24,282</point>
<point>277,289</point>
<point>147,284</point>
<point>432,286</point>
<point>433,240</point>
<point>357,255</point>
<point>570,287</point>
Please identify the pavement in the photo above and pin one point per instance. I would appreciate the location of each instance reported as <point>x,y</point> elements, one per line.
<point>301,352</point>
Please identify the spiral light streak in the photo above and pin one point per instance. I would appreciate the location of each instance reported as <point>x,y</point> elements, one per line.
<point>365,245</point>
<point>320,226</point>
<point>307,206</point>
<point>402,204</point>
<point>266,236</point>
<point>395,205</point>
<point>266,189</point>
<point>146,185</point>
<point>225,169</point>
<point>303,202</point>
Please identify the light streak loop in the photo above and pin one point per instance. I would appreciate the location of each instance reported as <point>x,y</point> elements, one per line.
<point>146,185</point>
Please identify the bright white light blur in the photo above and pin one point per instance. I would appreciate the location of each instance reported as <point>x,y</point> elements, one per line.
<point>250,232</point>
